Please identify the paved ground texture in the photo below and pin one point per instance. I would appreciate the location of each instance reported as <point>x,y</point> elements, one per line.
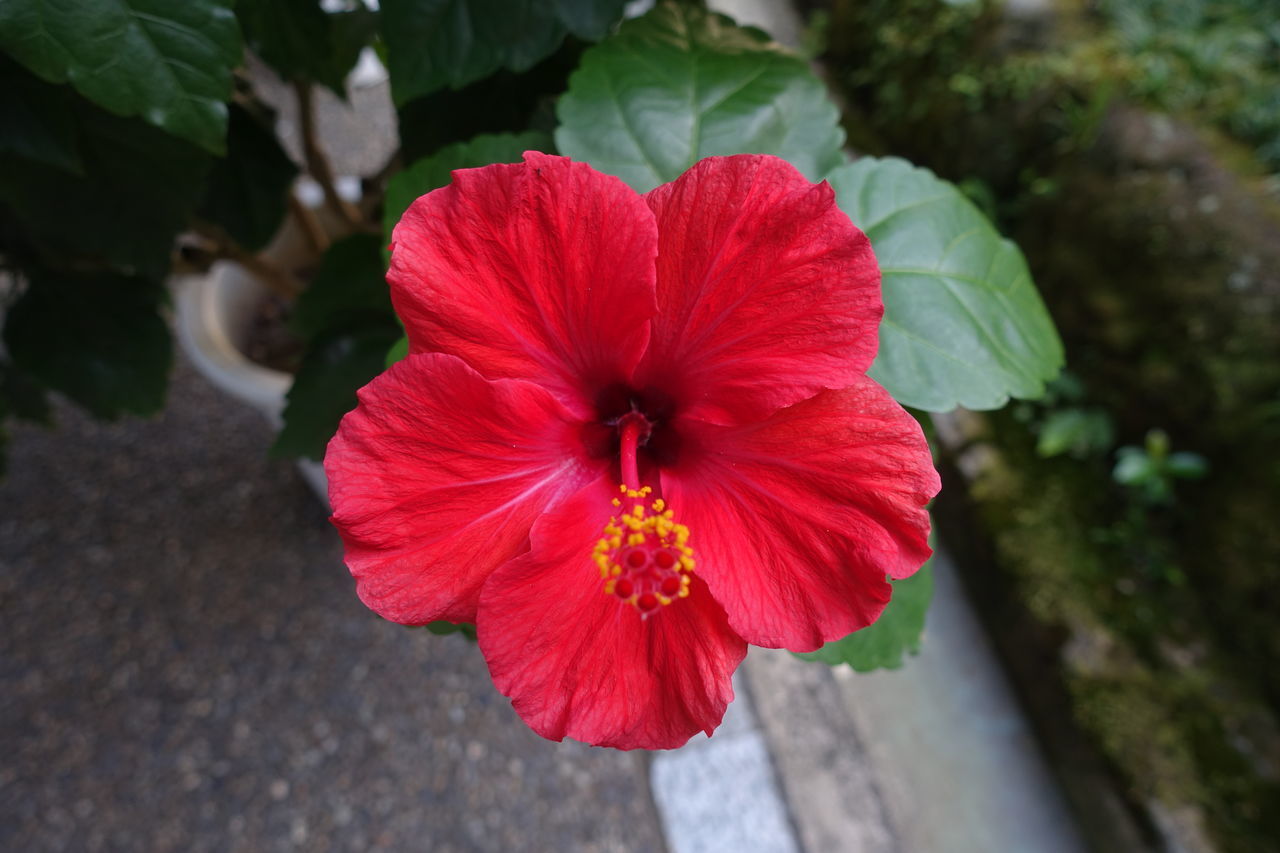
<point>184,666</point>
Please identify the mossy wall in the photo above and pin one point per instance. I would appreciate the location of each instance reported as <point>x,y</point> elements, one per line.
<point>1155,240</point>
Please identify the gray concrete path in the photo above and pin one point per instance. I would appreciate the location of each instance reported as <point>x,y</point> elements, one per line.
<point>184,667</point>
<point>936,757</point>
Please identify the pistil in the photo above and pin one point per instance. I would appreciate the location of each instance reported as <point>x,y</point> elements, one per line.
<point>633,430</point>
<point>644,556</point>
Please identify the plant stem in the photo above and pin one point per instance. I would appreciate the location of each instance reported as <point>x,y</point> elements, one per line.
<point>310,225</point>
<point>375,186</point>
<point>317,162</point>
<point>279,281</point>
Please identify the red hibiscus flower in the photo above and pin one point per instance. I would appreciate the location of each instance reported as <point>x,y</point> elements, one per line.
<point>633,434</point>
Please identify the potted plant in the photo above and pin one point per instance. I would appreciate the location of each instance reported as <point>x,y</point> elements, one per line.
<point>135,146</point>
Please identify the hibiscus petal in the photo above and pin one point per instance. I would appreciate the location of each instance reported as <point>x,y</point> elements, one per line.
<point>436,478</point>
<point>797,520</point>
<point>583,664</point>
<point>541,270</point>
<point>767,293</point>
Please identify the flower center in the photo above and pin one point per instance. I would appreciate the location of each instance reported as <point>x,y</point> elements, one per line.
<point>644,555</point>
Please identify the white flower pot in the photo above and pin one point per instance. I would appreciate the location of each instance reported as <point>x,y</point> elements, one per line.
<point>214,316</point>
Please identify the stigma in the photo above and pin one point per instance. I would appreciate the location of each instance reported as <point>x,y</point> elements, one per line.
<point>644,556</point>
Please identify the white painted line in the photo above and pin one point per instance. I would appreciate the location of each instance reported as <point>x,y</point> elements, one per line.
<point>720,793</point>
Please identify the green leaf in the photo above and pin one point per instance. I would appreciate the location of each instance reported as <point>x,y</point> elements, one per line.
<point>248,191</point>
<point>167,62</point>
<point>301,41</point>
<point>347,319</point>
<point>398,351</point>
<point>1157,444</point>
<point>680,84</point>
<point>1134,467</point>
<point>444,629</point>
<point>21,397</point>
<point>504,102</point>
<point>350,33</point>
<point>335,367</point>
<point>1187,466</point>
<point>432,44</point>
<point>39,123</point>
<point>292,36</point>
<point>433,172</point>
<point>451,43</point>
<point>138,186</point>
<point>1077,431</point>
<point>882,644</point>
<point>589,19</point>
<point>963,323</point>
<point>98,339</point>
<point>348,291</point>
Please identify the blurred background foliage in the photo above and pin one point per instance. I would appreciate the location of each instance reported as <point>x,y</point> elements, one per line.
<point>1118,534</point>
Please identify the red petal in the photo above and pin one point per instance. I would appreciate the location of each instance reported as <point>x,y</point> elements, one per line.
<point>767,293</point>
<point>436,478</point>
<point>541,270</point>
<point>796,520</point>
<point>580,663</point>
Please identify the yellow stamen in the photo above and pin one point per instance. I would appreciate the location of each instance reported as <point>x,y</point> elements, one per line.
<point>655,566</point>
